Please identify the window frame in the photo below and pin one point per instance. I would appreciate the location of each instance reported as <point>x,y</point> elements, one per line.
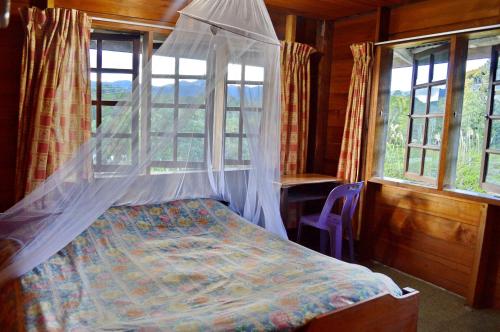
<point>99,37</point>
<point>489,118</point>
<point>424,146</point>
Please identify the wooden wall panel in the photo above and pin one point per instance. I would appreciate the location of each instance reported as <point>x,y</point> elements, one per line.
<point>432,16</point>
<point>345,33</point>
<point>426,235</point>
<point>11,42</point>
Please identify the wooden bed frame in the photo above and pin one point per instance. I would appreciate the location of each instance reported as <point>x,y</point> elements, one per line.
<point>382,313</point>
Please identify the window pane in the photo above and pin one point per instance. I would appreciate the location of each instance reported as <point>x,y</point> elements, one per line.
<point>434,131</point>
<point>440,66</point>
<point>163,65</point>
<point>192,92</point>
<point>253,96</point>
<point>423,70</point>
<point>117,54</point>
<point>232,122</point>
<point>93,86</point>
<point>192,67</point>
<point>495,135</point>
<point>116,151</point>
<point>474,107</point>
<point>162,149</point>
<point>191,121</point>
<point>420,101</point>
<point>417,131</point>
<point>493,172</point>
<point>93,54</point>
<point>233,95</point>
<point>163,90</point>
<point>245,149</point>
<point>254,74</point>
<point>438,99</point>
<point>498,70</point>
<point>431,163</point>
<point>116,87</point>
<point>109,118</point>
<point>234,72</point>
<point>415,161</point>
<point>162,120</point>
<point>496,101</point>
<point>93,120</point>
<point>231,148</point>
<point>190,149</point>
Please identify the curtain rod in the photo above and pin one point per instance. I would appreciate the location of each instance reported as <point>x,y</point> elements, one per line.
<point>156,26</point>
<point>440,34</point>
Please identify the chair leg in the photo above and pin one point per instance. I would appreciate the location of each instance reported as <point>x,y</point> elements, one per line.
<point>336,242</point>
<point>351,245</point>
<point>299,232</point>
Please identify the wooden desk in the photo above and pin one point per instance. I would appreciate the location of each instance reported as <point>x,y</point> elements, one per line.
<point>304,187</point>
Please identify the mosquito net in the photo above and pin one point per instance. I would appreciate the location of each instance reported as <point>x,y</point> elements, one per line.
<point>207,115</point>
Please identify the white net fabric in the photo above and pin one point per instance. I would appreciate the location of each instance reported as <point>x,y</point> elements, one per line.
<point>227,51</point>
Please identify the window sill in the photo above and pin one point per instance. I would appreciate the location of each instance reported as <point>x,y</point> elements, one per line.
<point>450,192</point>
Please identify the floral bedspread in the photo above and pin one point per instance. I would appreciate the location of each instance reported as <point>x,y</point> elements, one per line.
<point>189,265</point>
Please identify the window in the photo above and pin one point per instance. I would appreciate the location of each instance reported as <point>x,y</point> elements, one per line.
<point>244,92</point>
<point>416,113</point>
<point>178,111</point>
<point>114,60</point>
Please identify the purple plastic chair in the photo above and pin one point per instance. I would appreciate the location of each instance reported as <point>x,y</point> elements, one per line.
<point>334,223</point>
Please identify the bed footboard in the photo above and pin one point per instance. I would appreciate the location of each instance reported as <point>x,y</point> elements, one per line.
<point>382,313</point>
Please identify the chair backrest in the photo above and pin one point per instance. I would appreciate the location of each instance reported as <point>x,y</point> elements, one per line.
<point>350,193</point>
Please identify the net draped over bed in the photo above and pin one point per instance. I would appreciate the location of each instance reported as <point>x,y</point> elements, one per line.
<point>234,44</point>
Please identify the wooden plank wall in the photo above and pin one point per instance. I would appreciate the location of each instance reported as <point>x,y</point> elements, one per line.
<point>345,32</point>
<point>426,235</point>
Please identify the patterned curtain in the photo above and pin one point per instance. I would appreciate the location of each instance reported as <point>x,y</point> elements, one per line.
<point>350,155</point>
<point>295,96</point>
<point>55,102</point>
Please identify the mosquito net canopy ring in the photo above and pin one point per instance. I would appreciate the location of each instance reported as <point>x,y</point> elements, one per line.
<point>208,112</point>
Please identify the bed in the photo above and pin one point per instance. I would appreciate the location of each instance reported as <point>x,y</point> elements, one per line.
<point>194,265</point>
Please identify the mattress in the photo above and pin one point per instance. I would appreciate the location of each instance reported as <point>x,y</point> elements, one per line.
<point>188,265</point>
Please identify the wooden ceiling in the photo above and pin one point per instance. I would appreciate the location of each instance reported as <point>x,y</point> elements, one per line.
<point>330,9</point>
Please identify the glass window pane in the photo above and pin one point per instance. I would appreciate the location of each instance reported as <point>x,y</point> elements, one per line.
<point>231,148</point>
<point>423,66</point>
<point>93,85</point>
<point>163,65</point>
<point>162,149</point>
<point>233,95</point>
<point>93,120</point>
<point>493,171</point>
<point>496,101</point>
<point>162,120</point>
<point>498,70</point>
<point>232,122</point>
<point>116,151</point>
<point>191,149</point>
<point>245,149</point>
<point>417,131</point>
<point>415,161</point>
<point>192,67</point>
<point>420,101</point>
<point>234,72</point>
<point>109,118</point>
<point>440,71</point>
<point>93,54</point>
<point>192,92</point>
<point>191,121</point>
<point>438,99</point>
<point>254,74</point>
<point>495,135</point>
<point>434,131</point>
<point>116,87</point>
<point>431,163</point>
<point>163,90</point>
<point>117,54</point>
<point>253,96</point>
